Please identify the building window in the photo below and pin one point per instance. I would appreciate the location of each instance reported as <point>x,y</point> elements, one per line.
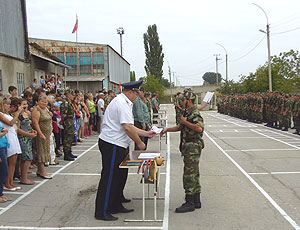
<point>85,63</point>
<point>1,88</point>
<point>98,63</point>
<point>60,56</point>
<point>72,61</point>
<point>20,83</point>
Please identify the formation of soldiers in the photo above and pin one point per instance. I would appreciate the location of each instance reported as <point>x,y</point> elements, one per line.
<point>278,110</point>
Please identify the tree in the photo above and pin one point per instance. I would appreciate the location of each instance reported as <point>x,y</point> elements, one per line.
<point>132,76</point>
<point>153,51</point>
<point>152,84</point>
<point>210,78</point>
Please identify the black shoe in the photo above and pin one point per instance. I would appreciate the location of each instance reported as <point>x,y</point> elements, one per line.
<point>68,158</point>
<point>296,133</point>
<point>107,218</point>
<point>122,210</point>
<point>188,206</point>
<point>197,200</point>
<point>124,200</point>
<point>285,129</point>
<point>73,156</point>
<point>58,154</point>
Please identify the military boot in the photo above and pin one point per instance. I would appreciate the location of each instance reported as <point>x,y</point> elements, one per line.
<point>188,206</point>
<point>67,157</point>
<point>197,200</point>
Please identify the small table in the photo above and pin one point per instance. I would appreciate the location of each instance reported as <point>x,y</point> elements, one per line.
<point>133,156</point>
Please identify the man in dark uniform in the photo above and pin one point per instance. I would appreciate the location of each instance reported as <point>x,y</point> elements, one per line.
<point>117,133</point>
<point>67,114</point>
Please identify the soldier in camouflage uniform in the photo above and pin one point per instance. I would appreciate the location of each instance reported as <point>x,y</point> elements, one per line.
<point>108,98</point>
<point>296,114</point>
<point>191,127</point>
<point>67,114</point>
<point>287,113</point>
<point>178,109</point>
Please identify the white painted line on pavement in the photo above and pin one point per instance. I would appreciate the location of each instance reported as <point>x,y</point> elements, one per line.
<point>274,138</point>
<point>239,137</point>
<point>233,121</point>
<point>80,228</point>
<point>167,186</point>
<point>257,150</point>
<point>274,173</point>
<point>40,184</point>
<point>13,192</point>
<point>264,193</point>
<point>93,174</point>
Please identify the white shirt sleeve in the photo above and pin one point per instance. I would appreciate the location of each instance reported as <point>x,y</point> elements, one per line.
<point>125,114</point>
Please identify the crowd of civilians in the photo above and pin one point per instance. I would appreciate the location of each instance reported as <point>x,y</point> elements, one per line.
<point>31,134</point>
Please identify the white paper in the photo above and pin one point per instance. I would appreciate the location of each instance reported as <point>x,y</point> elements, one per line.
<point>208,97</point>
<point>156,130</point>
<point>144,156</point>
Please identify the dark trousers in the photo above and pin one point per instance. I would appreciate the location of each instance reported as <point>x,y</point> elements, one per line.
<point>57,140</point>
<point>113,179</point>
<point>3,168</point>
<point>144,139</point>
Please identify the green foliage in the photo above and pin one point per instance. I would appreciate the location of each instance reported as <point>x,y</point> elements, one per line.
<point>285,76</point>
<point>132,76</point>
<point>210,78</point>
<point>152,84</point>
<point>153,52</point>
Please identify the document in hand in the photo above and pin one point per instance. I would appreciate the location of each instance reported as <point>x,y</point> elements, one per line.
<point>208,96</point>
<point>145,156</point>
<point>156,130</point>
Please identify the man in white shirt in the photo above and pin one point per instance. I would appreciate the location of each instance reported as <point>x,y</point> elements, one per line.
<point>100,105</point>
<point>116,134</point>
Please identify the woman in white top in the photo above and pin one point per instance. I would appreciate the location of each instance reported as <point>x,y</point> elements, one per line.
<point>14,148</point>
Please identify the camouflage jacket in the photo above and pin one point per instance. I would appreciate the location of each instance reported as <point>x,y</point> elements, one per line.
<point>188,135</point>
<point>67,110</point>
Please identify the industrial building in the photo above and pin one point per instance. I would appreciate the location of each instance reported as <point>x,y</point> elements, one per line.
<point>85,66</point>
<point>93,66</point>
<point>21,61</point>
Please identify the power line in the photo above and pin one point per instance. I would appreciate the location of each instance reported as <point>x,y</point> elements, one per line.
<point>249,51</point>
<point>287,31</point>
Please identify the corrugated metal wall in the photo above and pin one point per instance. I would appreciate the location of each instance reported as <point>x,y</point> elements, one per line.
<point>119,70</point>
<point>12,41</point>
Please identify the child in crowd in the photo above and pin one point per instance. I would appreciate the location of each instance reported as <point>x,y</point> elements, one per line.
<point>25,135</point>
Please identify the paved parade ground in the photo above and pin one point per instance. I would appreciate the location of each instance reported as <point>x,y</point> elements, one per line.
<point>249,177</point>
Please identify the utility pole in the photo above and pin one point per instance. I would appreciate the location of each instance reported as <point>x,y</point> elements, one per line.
<point>170,74</point>
<point>120,31</point>
<point>269,48</point>
<point>217,59</point>
<point>226,61</point>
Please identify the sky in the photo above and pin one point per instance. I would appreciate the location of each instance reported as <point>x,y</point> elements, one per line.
<point>188,31</point>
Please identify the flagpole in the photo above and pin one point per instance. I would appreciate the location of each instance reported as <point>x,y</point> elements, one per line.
<point>77,55</point>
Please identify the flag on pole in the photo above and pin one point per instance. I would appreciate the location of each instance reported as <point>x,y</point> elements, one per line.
<point>75,26</point>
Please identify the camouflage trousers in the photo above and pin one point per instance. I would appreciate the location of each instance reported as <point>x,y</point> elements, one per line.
<point>68,135</point>
<point>191,176</point>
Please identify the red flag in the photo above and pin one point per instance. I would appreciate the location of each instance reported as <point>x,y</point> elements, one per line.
<point>120,87</point>
<point>76,25</point>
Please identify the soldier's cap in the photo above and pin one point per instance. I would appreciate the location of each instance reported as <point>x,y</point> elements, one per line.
<point>135,85</point>
<point>189,95</point>
<point>146,94</point>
